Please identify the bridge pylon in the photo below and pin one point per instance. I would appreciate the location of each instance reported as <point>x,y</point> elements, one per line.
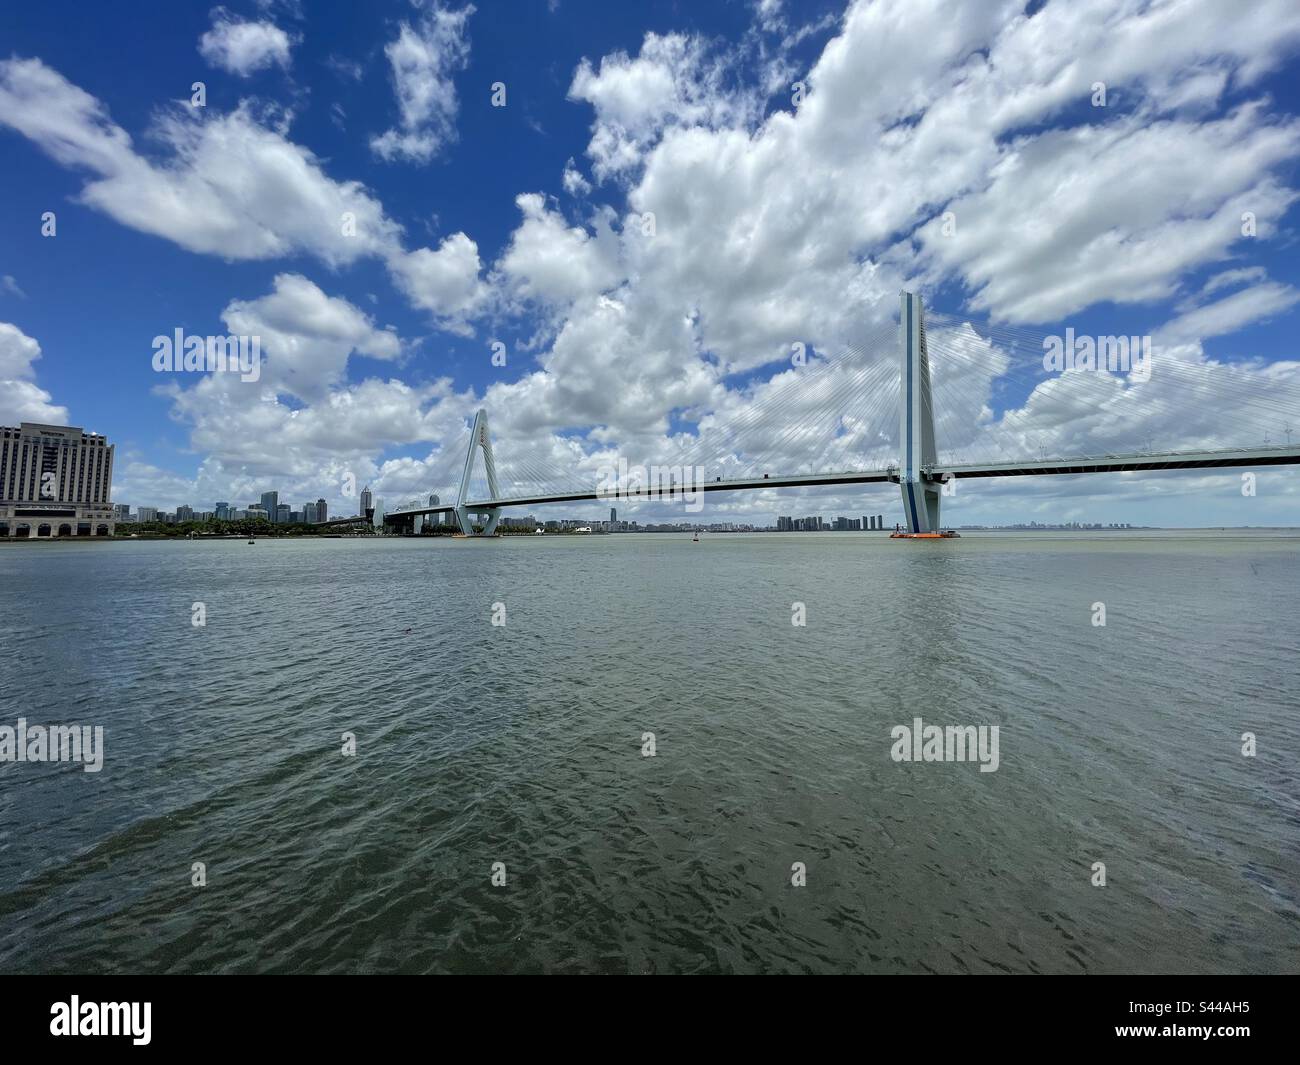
<point>921,491</point>
<point>480,439</point>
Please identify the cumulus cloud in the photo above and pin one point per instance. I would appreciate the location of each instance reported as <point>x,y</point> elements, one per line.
<point>1111,217</point>
<point>423,59</point>
<point>20,397</point>
<point>232,185</point>
<point>675,80</point>
<point>554,263</point>
<point>307,336</point>
<point>244,48</point>
<point>444,281</point>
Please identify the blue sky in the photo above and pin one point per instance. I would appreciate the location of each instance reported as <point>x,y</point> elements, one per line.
<point>775,221</point>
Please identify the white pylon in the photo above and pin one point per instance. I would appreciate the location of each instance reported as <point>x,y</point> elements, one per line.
<point>479,439</point>
<point>916,423</point>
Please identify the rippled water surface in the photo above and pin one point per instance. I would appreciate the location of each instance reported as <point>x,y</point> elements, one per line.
<point>522,744</point>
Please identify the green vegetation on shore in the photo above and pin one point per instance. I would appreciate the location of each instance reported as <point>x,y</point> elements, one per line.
<point>252,527</point>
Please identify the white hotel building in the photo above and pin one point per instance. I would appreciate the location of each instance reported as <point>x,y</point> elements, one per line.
<point>55,480</point>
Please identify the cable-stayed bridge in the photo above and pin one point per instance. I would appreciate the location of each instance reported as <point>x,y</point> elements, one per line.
<point>985,405</point>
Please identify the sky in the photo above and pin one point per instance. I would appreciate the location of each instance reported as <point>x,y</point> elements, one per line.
<point>643,207</point>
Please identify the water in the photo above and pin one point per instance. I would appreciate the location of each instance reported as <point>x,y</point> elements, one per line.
<point>522,744</point>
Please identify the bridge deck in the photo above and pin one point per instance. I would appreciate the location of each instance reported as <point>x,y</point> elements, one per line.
<point>1193,460</point>
<point>1188,460</point>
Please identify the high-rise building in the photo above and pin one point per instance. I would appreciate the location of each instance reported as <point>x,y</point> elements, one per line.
<point>271,504</point>
<point>613,515</point>
<point>184,513</point>
<point>55,480</point>
<point>309,513</point>
<point>222,510</point>
<point>367,501</point>
<point>880,521</point>
<point>147,513</point>
<point>121,511</point>
<point>322,511</point>
<point>282,514</point>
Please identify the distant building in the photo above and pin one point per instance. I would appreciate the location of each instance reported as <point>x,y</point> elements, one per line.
<point>271,504</point>
<point>55,480</point>
<point>222,510</point>
<point>147,513</point>
<point>256,511</point>
<point>282,513</point>
<point>121,511</point>
<point>322,512</point>
<point>367,501</point>
<point>184,513</point>
<point>613,515</point>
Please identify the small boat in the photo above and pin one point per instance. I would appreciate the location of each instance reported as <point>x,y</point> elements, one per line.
<point>947,534</point>
<point>252,541</point>
<point>697,537</point>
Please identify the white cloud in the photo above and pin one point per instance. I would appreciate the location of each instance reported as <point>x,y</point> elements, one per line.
<point>307,336</point>
<point>769,14</point>
<point>1230,278</point>
<point>445,282</point>
<point>553,263</point>
<point>574,183</point>
<point>231,186</point>
<point>423,59</point>
<point>20,397</point>
<point>1250,306</point>
<point>1074,217</point>
<point>674,81</point>
<point>243,48</point>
